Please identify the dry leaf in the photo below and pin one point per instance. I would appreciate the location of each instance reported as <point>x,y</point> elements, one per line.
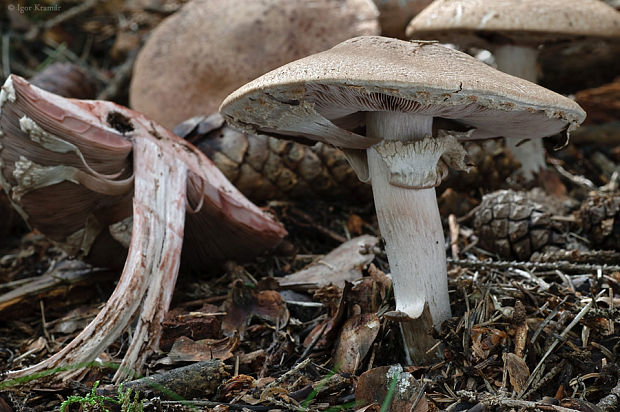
<point>342,264</point>
<point>518,371</point>
<point>356,338</point>
<point>244,303</point>
<point>186,350</point>
<point>197,326</point>
<point>237,385</point>
<point>355,224</point>
<point>35,346</point>
<point>373,385</point>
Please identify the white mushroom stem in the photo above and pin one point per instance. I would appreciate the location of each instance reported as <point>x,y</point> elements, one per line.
<point>520,61</point>
<point>411,226</point>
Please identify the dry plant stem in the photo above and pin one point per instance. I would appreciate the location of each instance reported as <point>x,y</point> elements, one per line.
<point>154,254</point>
<point>501,401</point>
<point>558,265</point>
<point>165,175</point>
<point>411,226</point>
<point>520,61</point>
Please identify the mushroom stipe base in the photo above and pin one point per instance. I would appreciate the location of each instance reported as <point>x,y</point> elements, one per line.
<point>411,226</point>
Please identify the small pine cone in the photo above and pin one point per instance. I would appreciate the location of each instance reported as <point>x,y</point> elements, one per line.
<point>512,225</point>
<point>492,162</point>
<point>265,168</point>
<point>600,220</point>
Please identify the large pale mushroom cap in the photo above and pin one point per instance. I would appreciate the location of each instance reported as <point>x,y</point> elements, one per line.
<point>325,96</point>
<point>524,22</point>
<point>209,48</point>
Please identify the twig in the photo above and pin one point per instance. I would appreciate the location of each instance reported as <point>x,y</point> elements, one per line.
<point>574,256</point>
<point>547,320</point>
<point>63,273</point>
<point>310,221</point>
<point>120,78</point>
<point>6,56</point>
<point>418,397</point>
<point>43,322</point>
<point>210,404</point>
<point>505,403</point>
<point>562,265</point>
<point>312,344</point>
<point>547,378</point>
<point>578,180</point>
<point>61,18</point>
<point>454,236</point>
<point>296,368</point>
<point>469,215</point>
<point>555,343</point>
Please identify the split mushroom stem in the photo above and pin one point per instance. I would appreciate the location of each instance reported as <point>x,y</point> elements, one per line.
<point>411,226</point>
<point>46,145</point>
<point>520,61</point>
<point>151,268</point>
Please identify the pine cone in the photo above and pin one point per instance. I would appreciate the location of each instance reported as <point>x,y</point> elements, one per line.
<point>265,168</point>
<point>600,220</point>
<point>493,164</point>
<point>512,225</point>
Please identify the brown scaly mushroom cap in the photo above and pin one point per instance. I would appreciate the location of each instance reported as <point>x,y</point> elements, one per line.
<point>199,55</point>
<point>526,22</point>
<point>377,99</point>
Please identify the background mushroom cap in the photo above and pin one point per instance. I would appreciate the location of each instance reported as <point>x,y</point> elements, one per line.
<point>199,55</point>
<point>324,96</point>
<point>395,15</point>
<point>525,22</point>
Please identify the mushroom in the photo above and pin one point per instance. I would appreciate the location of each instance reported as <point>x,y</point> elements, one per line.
<point>377,99</point>
<point>73,168</point>
<point>394,15</point>
<point>197,56</point>
<point>65,79</point>
<point>514,31</point>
